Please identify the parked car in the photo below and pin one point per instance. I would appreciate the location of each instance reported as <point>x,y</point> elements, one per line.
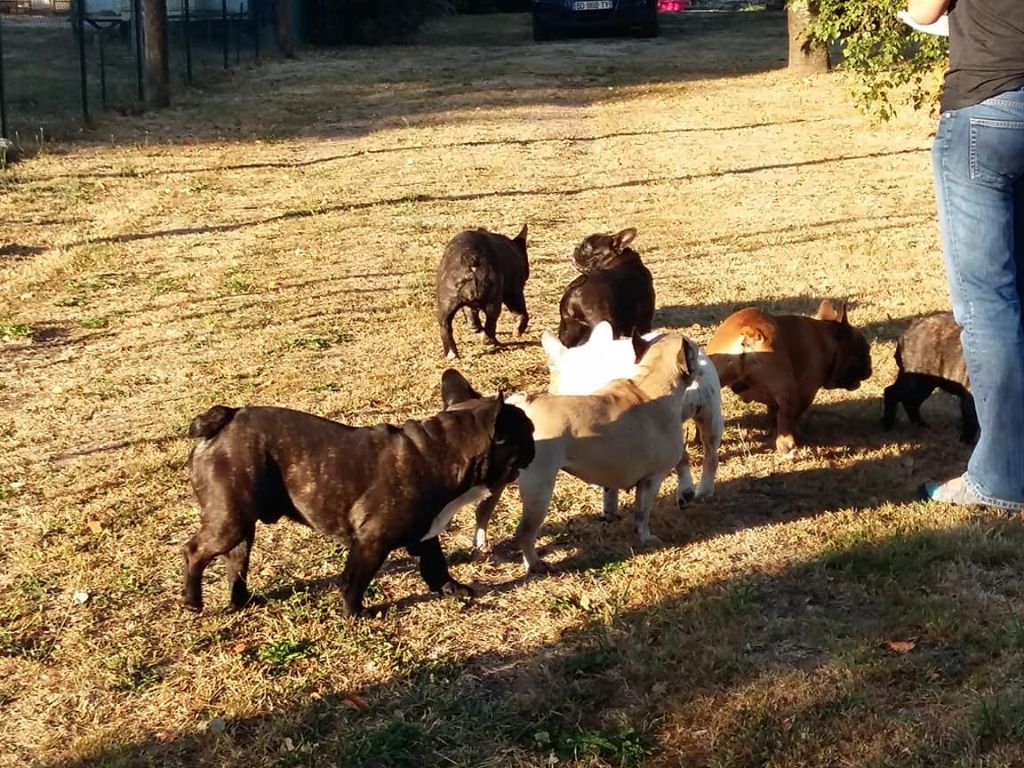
<point>551,17</point>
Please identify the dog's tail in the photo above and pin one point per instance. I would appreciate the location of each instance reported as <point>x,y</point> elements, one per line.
<point>213,421</point>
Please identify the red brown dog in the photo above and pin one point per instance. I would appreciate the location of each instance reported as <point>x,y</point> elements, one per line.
<point>783,360</point>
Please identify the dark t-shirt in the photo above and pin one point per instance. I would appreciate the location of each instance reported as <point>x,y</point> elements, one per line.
<point>986,44</point>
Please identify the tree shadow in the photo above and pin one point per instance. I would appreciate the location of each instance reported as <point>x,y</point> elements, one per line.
<point>16,252</point>
<point>470,196</point>
<point>829,653</point>
<point>457,64</point>
<point>709,316</point>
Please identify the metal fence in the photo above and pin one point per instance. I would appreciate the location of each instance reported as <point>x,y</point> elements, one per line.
<point>59,71</point>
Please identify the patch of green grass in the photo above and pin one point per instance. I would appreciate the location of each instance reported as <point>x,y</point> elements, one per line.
<point>610,568</point>
<point>164,285</point>
<point>96,322</point>
<point>395,745</point>
<point>999,719</point>
<point>589,661</point>
<point>328,386</point>
<point>308,342</point>
<point>280,654</point>
<point>6,490</point>
<point>12,331</point>
<point>69,301</point>
<point>622,747</point>
<point>131,676</point>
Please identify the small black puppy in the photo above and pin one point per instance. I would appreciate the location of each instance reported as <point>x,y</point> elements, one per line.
<point>379,488</point>
<point>479,272</point>
<point>929,355</point>
<point>614,286</point>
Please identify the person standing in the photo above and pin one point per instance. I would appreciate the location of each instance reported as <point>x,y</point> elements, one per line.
<point>978,160</point>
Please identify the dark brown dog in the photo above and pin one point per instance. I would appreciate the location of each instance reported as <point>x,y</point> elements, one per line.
<point>929,355</point>
<point>783,360</point>
<point>614,286</point>
<point>479,272</point>
<point>379,488</point>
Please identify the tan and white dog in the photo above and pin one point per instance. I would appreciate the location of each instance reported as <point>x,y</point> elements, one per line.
<point>625,435</point>
<point>584,369</point>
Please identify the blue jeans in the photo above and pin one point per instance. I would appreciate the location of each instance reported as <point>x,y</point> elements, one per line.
<point>978,158</point>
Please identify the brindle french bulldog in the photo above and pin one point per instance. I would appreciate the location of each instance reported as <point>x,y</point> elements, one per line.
<point>480,271</point>
<point>379,488</point>
<point>929,355</point>
<point>614,286</point>
<point>783,360</point>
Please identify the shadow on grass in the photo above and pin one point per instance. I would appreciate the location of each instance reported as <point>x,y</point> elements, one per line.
<point>902,648</point>
<point>457,63</point>
<point>468,196</point>
<point>709,316</point>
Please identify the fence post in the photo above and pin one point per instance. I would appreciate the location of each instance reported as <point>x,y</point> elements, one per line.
<point>224,23</point>
<point>80,33</point>
<point>103,69</point>
<point>188,44</point>
<point>3,97</point>
<point>137,18</point>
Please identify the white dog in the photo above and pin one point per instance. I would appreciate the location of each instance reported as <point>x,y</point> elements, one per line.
<point>585,369</point>
<point>625,435</point>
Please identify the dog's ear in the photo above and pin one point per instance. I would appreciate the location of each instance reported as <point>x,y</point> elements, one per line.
<point>602,333</point>
<point>522,233</point>
<point>828,312</point>
<point>640,346</point>
<point>842,314</point>
<point>621,239</point>
<point>687,359</point>
<point>455,389</point>
<point>553,348</point>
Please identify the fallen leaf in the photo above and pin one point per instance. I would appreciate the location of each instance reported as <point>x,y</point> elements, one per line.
<point>352,701</point>
<point>216,725</point>
<point>239,647</point>
<point>81,597</point>
<point>95,526</point>
<point>900,646</point>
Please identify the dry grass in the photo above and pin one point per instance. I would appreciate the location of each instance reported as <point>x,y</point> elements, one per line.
<point>283,252</point>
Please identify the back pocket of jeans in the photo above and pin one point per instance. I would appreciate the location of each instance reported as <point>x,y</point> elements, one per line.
<point>997,150</point>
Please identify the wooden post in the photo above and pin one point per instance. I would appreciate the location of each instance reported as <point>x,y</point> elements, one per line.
<point>804,55</point>
<point>285,34</point>
<point>158,71</point>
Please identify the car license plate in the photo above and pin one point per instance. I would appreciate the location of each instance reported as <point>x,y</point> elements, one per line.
<point>592,5</point>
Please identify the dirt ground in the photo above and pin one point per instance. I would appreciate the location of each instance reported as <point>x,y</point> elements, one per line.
<point>272,239</point>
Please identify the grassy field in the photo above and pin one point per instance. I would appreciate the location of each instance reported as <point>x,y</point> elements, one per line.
<point>273,239</point>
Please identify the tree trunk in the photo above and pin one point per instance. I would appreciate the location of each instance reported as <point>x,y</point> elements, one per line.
<point>154,46</point>
<point>285,35</point>
<point>804,56</point>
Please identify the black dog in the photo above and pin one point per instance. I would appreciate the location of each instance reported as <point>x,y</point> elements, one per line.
<point>614,286</point>
<point>929,355</point>
<point>380,487</point>
<point>479,272</point>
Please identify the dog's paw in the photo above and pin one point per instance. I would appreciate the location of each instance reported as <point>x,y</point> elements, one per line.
<point>540,568</point>
<point>684,497</point>
<point>452,355</point>
<point>455,589</point>
<point>196,608</point>
<point>785,446</point>
<point>651,542</point>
